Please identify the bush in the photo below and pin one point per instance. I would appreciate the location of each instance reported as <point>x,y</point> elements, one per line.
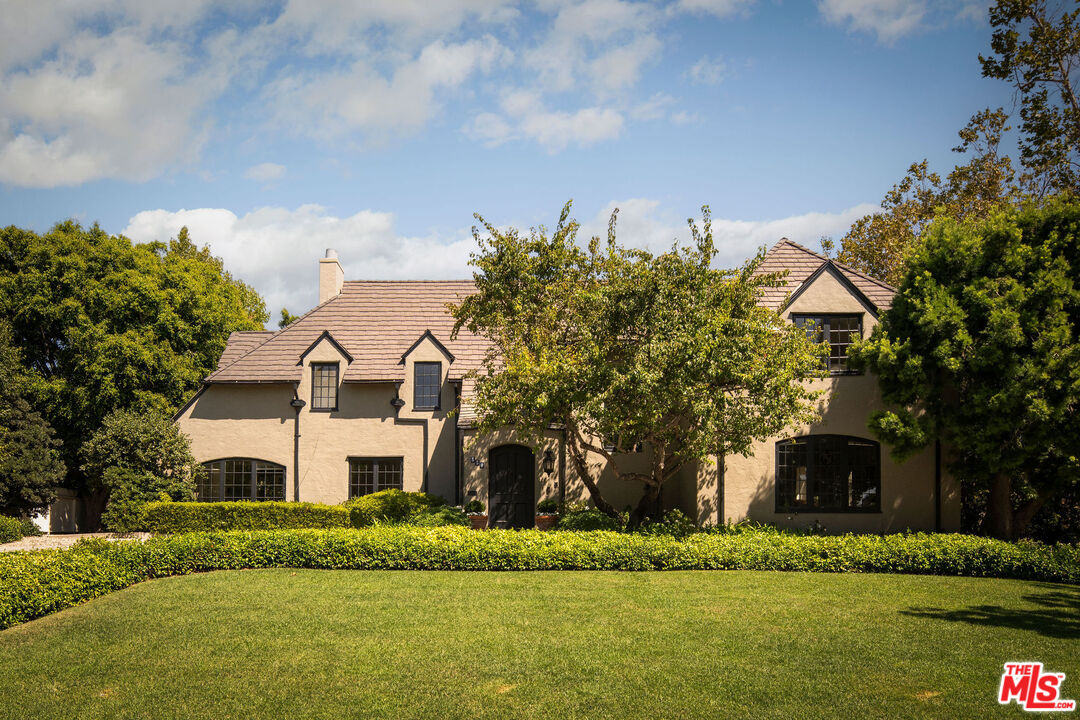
<point>587,519</point>
<point>173,517</point>
<point>391,506</point>
<point>10,529</point>
<point>39,582</point>
<point>474,507</point>
<point>440,517</point>
<point>29,529</point>
<point>548,507</point>
<point>675,523</point>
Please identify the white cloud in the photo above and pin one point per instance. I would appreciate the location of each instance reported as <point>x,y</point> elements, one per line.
<point>707,71</point>
<point>527,117</point>
<point>719,8</point>
<point>331,104</point>
<point>264,172</point>
<point>888,19</point>
<point>276,250</point>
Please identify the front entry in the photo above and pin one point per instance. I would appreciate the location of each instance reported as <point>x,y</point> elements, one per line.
<point>510,487</point>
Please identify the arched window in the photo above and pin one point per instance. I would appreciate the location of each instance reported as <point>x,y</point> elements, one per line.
<point>240,479</point>
<point>828,473</point>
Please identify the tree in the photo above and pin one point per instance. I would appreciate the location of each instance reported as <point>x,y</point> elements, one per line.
<point>149,443</point>
<point>1036,47</point>
<point>979,350</point>
<point>103,323</point>
<point>619,346</point>
<point>287,318</point>
<point>881,242</point>
<point>30,463</point>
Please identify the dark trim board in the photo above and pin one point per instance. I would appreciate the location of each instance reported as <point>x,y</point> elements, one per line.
<point>427,334</point>
<point>830,267</point>
<point>326,336</point>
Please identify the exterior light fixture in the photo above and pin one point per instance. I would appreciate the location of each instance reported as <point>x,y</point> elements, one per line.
<point>297,403</point>
<point>549,462</point>
<point>398,402</point>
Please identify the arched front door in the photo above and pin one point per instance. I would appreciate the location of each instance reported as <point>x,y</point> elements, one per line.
<point>510,487</point>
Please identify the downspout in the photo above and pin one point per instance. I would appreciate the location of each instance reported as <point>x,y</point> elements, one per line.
<point>398,403</point>
<point>562,470</point>
<point>297,405</point>
<point>937,486</point>
<point>721,470</point>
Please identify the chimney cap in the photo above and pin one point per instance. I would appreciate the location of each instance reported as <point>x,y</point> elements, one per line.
<point>331,253</point>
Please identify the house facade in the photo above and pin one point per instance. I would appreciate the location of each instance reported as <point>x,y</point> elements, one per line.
<point>368,391</point>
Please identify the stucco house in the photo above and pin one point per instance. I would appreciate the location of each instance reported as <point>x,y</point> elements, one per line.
<point>360,394</point>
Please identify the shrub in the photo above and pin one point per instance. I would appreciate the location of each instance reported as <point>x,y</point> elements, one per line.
<point>674,523</point>
<point>29,529</point>
<point>587,519</point>
<point>174,517</point>
<point>474,507</point>
<point>548,507</point>
<point>440,517</point>
<point>39,582</point>
<point>10,529</point>
<point>391,506</point>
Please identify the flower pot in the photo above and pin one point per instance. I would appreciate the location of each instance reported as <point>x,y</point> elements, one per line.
<point>546,522</point>
<point>479,522</point>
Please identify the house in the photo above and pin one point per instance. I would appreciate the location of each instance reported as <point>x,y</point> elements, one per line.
<point>359,395</point>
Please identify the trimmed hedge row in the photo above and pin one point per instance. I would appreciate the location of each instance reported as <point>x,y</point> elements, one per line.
<point>185,517</point>
<point>33,584</point>
<point>11,529</point>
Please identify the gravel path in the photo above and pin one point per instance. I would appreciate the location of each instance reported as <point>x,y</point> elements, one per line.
<point>63,541</point>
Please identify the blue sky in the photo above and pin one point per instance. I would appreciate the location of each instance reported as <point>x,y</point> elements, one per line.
<point>275,130</point>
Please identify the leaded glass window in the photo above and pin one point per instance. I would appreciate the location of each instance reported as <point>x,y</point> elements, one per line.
<point>828,473</point>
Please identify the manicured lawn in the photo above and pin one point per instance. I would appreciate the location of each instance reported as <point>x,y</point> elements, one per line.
<point>317,643</point>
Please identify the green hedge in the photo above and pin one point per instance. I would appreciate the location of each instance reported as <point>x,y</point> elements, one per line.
<point>36,583</point>
<point>181,517</point>
<point>391,506</point>
<point>11,529</point>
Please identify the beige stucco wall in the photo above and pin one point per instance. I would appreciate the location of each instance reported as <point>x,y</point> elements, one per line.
<point>256,421</point>
<point>907,489</point>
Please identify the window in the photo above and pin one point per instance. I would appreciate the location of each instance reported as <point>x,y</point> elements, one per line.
<point>369,475</point>
<point>324,386</point>
<point>240,479</point>
<point>427,383</point>
<point>829,473</point>
<point>839,331</point>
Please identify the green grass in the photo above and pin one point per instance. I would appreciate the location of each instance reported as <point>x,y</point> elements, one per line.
<point>318,643</point>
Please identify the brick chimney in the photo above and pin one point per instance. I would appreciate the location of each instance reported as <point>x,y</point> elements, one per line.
<point>331,276</point>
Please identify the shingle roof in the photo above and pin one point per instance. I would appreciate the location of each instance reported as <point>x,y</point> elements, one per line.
<point>801,263</point>
<point>378,321</point>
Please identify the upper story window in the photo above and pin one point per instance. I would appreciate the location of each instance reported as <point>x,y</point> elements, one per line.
<point>427,384</point>
<point>828,473</point>
<point>240,479</point>
<point>839,331</point>
<point>324,386</point>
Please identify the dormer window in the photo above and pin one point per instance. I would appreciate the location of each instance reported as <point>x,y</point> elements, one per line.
<point>324,386</point>
<point>839,331</point>
<point>427,385</point>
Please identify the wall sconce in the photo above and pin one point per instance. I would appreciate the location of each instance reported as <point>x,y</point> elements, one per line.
<point>549,462</point>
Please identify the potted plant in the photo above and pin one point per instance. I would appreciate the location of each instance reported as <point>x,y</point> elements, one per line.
<point>547,514</point>
<point>477,515</point>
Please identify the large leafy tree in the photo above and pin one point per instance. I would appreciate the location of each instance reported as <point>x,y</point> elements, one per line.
<point>620,346</point>
<point>1036,48</point>
<point>30,463</point>
<point>103,323</point>
<point>979,349</point>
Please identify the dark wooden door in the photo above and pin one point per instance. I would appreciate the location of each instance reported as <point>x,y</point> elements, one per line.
<point>510,487</point>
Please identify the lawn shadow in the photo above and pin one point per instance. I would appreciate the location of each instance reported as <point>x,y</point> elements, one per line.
<point>1057,614</point>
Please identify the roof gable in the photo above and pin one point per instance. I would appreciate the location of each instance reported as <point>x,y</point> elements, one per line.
<point>435,341</point>
<point>802,263</point>
<point>829,267</point>
<point>329,338</point>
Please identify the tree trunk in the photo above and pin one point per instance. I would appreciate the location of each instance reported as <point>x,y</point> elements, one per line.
<point>645,506</point>
<point>1023,516</point>
<point>999,512</point>
<point>577,454</point>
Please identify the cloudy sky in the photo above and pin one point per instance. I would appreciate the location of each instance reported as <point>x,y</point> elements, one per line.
<point>274,130</point>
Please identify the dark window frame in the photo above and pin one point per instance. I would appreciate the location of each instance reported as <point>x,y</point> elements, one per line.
<point>376,474</point>
<point>254,491</point>
<point>825,328</point>
<point>315,366</point>
<point>817,463</point>
<point>416,385</point>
